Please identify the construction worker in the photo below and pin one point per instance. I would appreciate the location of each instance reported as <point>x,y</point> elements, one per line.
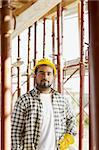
<point>43,119</point>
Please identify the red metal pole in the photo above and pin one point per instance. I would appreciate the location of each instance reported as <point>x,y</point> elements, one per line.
<point>53,39</point>
<point>79,19</point>
<point>70,66</point>
<point>91,115</point>
<point>62,31</point>
<point>70,75</point>
<point>53,43</point>
<point>28,66</point>
<point>44,37</point>
<point>62,25</point>
<point>18,68</point>
<point>5,75</point>
<point>35,43</point>
<point>82,72</point>
<point>93,7</point>
<point>59,48</point>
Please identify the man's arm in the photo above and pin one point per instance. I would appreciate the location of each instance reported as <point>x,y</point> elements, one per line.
<point>17,125</point>
<point>71,119</point>
<point>68,139</point>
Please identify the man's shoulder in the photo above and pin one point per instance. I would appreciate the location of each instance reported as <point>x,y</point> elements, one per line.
<point>24,100</point>
<point>27,94</point>
<point>55,91</point>
<point>59,95</point>
<point>25,97</point>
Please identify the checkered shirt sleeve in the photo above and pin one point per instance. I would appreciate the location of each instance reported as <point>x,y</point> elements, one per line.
<point>64,114</point>
<point>17,124</point>
<point>71,118</point>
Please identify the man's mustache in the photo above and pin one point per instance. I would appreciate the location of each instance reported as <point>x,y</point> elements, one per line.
<point>44,80</point>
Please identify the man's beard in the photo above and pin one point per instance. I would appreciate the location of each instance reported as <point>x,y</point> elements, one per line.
<point>44,84</point>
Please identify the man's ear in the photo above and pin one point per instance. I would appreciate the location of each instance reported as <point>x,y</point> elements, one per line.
<point>54,76</point>
<point>34,75</point>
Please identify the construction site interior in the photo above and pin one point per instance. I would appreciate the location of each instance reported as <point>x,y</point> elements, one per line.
<point>63,31</point>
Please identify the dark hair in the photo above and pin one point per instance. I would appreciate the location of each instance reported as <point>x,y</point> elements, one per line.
<point>36,70</point>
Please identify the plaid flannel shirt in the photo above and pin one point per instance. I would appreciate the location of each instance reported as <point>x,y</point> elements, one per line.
<point>26,119</point>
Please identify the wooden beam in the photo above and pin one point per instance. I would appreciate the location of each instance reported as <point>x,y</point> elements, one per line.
<point>64,4</point>
<point>32,14</point>
<point>19,7</point>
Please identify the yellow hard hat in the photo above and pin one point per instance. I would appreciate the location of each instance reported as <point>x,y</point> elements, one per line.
<point>45,61</point>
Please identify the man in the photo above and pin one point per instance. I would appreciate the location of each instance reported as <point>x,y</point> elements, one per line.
<point>42,119</point>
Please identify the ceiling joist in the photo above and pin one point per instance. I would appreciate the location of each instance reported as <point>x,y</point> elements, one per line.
<point>33,14</point>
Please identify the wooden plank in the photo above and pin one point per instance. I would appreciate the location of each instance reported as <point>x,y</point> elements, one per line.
<point>65,4</point>
<point>33,14</point>
<point>20,6</point>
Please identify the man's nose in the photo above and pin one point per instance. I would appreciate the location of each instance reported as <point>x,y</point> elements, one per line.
<point>45,75</point>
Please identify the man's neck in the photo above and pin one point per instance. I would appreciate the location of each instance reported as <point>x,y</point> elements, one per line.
<point>44,90</point>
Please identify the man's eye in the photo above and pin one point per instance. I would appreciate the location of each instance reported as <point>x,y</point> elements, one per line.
<point>41,73</point>
<point>49,73</point>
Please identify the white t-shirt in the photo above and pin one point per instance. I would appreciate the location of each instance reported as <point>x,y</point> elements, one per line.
<point>47,136</point>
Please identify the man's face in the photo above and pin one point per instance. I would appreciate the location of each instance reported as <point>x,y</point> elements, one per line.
<point>44,77</point>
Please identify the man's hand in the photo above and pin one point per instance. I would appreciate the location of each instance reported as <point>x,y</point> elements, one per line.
<point>66,141</point>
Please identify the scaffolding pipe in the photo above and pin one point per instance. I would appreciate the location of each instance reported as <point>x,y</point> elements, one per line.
<point>93,7</point>
<point>18,68</point>
<point>44,37</point>
<point>35,42</point>
<point>70,76</point>
<point>59,69</point>
<point>53,39</point>
<point>6,31</point>
<point>28,65</point>
<point>79,19</point>
<point>53,43</point>
<point>61,49</point>
<point>82,72</point>
<point>70,66</point>
<point>74,65</point>
<point>35,45</point>
<point>62,30</point>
